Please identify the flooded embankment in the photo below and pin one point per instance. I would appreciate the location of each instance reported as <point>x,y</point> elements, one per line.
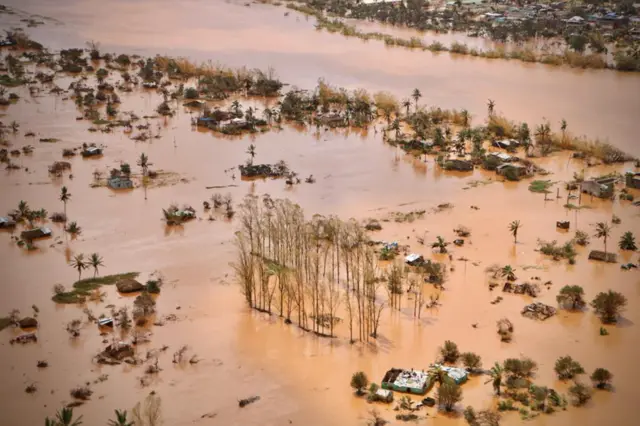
<point>303,380</point>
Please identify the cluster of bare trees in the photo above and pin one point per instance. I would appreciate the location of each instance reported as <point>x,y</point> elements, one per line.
<point>306,269</point>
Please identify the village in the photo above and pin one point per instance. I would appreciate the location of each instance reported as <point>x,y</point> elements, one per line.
<point>436,259</point>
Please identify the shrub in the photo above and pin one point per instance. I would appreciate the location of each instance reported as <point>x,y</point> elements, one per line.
<point>580,393</point>
<point>505,329</point>
<point>153,286</point>
<point>191,93</point>
<point>581,238</point>
<point>507,406</point>
<point>601,378</point>
<point>471,361</point>
<point>520,368</point>
<point>449,393</point>
<point>609,305</point>
<point>359,382</point>
<point>571,295</point>
<point>450,352</point>
<point>566,368</point>
<point>628,242</point>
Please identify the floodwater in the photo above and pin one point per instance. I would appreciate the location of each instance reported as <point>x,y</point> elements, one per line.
<point>301,379</point>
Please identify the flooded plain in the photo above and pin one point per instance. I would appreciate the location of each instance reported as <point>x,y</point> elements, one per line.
<point>303,379</point>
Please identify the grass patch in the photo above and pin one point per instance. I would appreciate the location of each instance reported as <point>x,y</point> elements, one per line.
<point>83,288</point>
<point>571,206</point>
<point>8,81</point>
<point>541,186</point>
<point>100,122</point>
<point>4,322</point>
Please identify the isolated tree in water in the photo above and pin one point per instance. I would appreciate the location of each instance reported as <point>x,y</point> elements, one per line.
<point>121,419</point>
<point>603,230</point>
<point>252,152</point>
<point>95,261</point>
<point>491,105</point>
<point>65,196</point>
<point>514,227</point>
<point>78,264</point>
<point>359,382</point>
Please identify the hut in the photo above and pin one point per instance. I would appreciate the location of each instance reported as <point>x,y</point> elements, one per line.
<point>32,234</point>
<point>600,187</point>
<point>602,256</point>
<point>459,165</point>
<point>91,151</point>
<point>632,180</point>
<point>120,182</point>
<point>6,222</point>
<point>562,224</point>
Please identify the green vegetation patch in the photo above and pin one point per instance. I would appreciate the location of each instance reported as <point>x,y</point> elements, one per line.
<point>8,81</point>
<point>541,186</point>
<point>83,288</point>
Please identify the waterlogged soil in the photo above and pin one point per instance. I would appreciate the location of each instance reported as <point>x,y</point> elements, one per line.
<point>301,379</point>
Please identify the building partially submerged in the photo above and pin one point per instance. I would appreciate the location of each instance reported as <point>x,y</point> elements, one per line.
<point>458,375</point>
<point>414,259</point>
<point>120,182</point>
<point>459,165</point>
<point>512,170</point>
<point>33,234</point>
<point>632,180</point>
<point>599,187</point>
<point>410,381</point>
<point>91,151</point>
<point>7,222</point>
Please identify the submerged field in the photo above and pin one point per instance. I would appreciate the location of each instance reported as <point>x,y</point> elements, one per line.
<point>301,378</point>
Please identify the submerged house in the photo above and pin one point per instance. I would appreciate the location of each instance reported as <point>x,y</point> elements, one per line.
<point>32,234</point>
<point>120,182</point>
<point>505,158</point>
<point>91,151</point>
<point>506,143</point>
<point>517,170</point>
<point>600,187</point>
<point>632,180</point>
<point>414,259</point>
<point>459,165</point>
<point>6,222</point>
<point>458,375</point>
<point>410,381</point>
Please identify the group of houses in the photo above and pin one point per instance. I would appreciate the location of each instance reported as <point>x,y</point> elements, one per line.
<point>604,187</point>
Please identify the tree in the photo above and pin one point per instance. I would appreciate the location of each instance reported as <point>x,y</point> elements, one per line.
<point>191,93</point>
<point>601,378</point>
<point>471,361</point>
<point>359,382</point>
<point>23,210</point>
<point>235,106</point>
<point>121,419</point>
<point>64,417</point>
<point>144,164</point>
<point>406,104</point>
<point>520,368</point>
<point>466,118</point>
<point>150,413</point>
<point>578,42</point>
<point>514,227</point>
<point>571,295</point>
<point>437,375</point>
<point>125,168</point>
<point>491,105</point>
<point>508,272</point>
<point>440,244</point>
<point>95,261</point>
<point>628,242</point>
<point>539,394</point>
<point>580,393</point>
<point>395,126</point>
<point>101,74</point>
<point>449,352</point>
<point>449,393</point>
<point>65,196</point>
<point>252,152</point>
<point>496,374</point>
<point>603,230</point>
<point>563,128</point>
<point>609,305</point>
<point>481,418</point>
<point>416,95</point>
<point>79,264</point>
<point>566,368</point>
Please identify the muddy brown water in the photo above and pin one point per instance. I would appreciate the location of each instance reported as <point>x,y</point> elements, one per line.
<point>302,379</point>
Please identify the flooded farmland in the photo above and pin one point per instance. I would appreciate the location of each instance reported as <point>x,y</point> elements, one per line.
<point>301,378</point>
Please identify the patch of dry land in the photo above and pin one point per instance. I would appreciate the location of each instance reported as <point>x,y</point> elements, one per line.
<point>292,245</point>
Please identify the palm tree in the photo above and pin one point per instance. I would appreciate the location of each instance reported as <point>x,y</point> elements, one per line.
<point>64,417</point>
<point>95,261</point>
<point>491,105</point>
<point>78,263</point>
<point>514,227</point>
<point>268,115</point>
<point>543,135</point>
<point>508,272</point>
<point>603,230</point>
<point>396,126</point>
<point>14,126</point>
<point>406,104</point>
<point>563,127</point>
<point>23,209</point>
<point>440,244</point>
<point>65,196</point>
<point>437,375</point>
<point>416,95</point>
<point>496,373</point>
<point>465,118</point>
<point>252,152</point>
<point>143,162</point>
<point>235,106</point>
<point>121,419</point>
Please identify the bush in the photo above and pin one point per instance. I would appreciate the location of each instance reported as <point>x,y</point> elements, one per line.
<point>449,393</point>
<point>609,305</point>
<point>471,361</point>
<point>520,368</point>
<point>191,93</point>
<point>153,286</point>
<point>628,242</point>
<point>581,238</point>
<point>571,295</point>
<point>601,378</point>
<point>450,352</point>
<point>359,382</point>
<point>507,406</point>
<point>580,394</point>
<point>566,368</point>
